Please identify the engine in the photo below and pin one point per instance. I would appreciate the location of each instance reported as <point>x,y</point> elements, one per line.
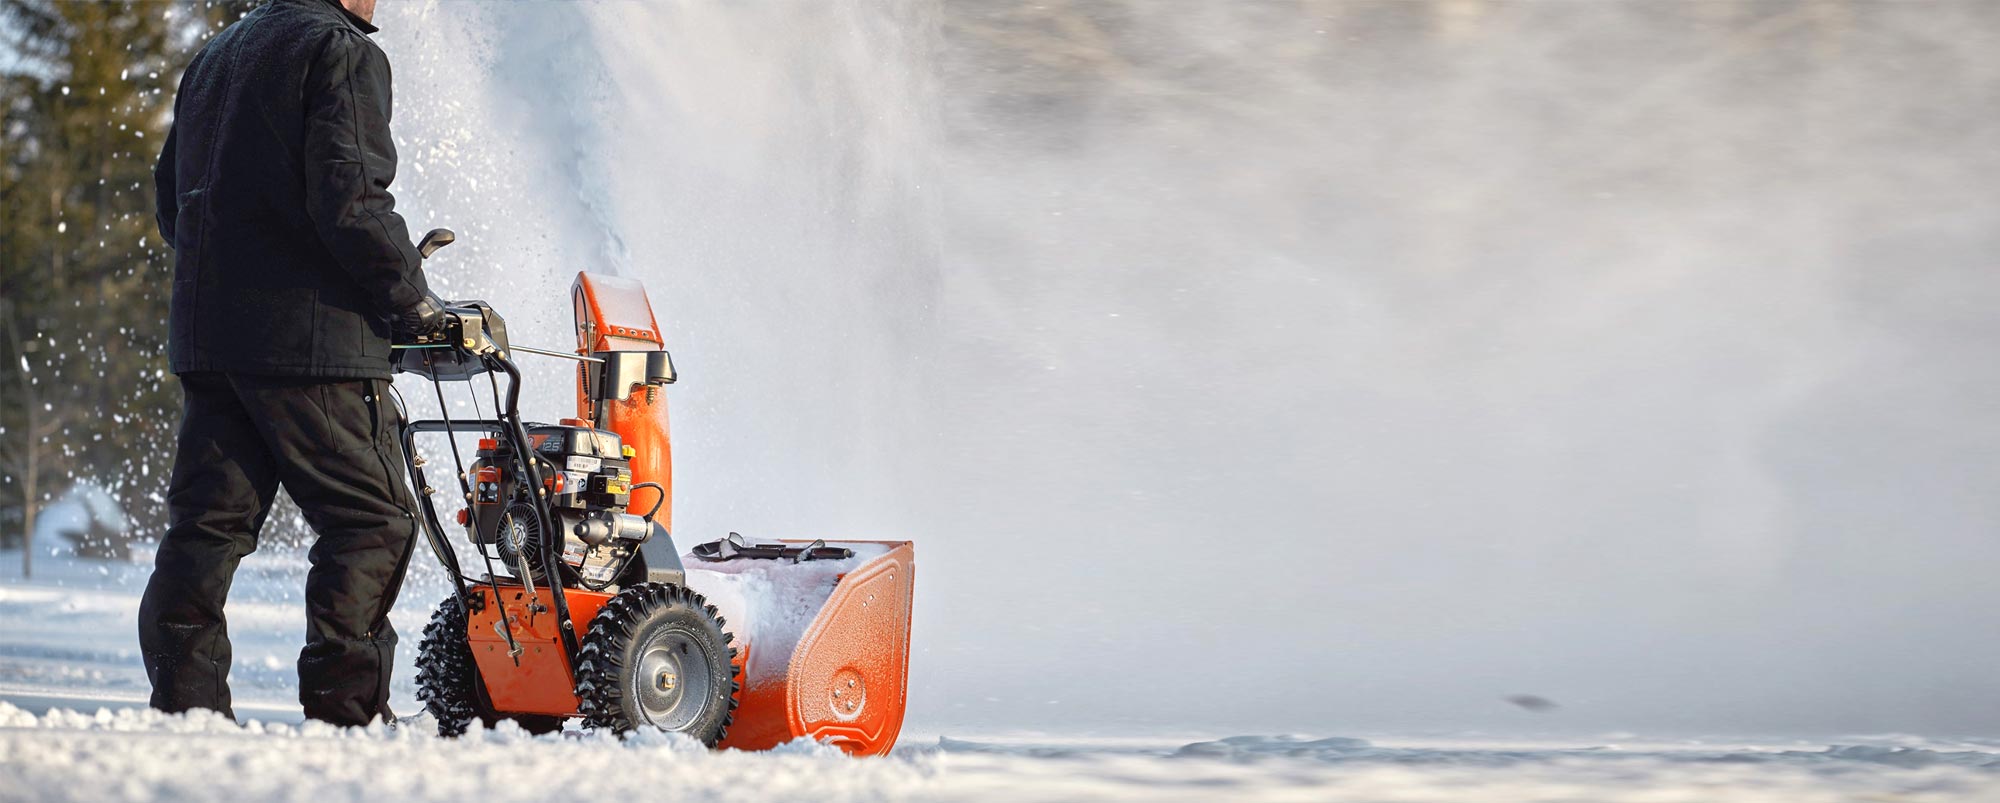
<point>587,478</point>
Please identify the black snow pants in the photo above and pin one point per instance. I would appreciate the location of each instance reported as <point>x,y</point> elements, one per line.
<point>334,446</point>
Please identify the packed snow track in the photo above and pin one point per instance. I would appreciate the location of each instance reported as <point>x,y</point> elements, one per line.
<point>74,726</point>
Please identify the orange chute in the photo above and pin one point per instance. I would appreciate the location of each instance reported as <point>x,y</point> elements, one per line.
<point>613,314</point>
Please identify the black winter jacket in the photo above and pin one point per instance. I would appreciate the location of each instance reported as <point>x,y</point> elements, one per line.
<point>273,187</point>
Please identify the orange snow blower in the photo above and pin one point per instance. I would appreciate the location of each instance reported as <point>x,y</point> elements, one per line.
<point>583,607</point>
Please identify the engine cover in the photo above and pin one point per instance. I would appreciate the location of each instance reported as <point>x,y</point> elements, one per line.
<point>587,480</point>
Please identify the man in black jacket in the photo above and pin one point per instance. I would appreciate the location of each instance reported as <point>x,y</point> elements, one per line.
<point>292,271</point>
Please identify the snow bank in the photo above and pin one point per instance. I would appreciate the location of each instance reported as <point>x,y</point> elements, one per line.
<point>85,508</point>
<point>1340,750</point>
<point>139,755</point>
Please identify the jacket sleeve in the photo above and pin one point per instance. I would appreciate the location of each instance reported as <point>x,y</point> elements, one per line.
<point>166,199</point>
<point>349,161</point>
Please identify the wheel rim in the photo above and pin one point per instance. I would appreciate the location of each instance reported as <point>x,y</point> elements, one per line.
<point>670,683</point>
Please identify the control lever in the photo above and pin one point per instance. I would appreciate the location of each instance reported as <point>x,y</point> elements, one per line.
<point>434,240</point>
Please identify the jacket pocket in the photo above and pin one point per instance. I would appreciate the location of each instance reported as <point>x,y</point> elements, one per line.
<point>189,216</point>
<point>259,329</point>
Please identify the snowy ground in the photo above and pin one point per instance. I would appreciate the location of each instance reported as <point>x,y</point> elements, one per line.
<point>73,726</point>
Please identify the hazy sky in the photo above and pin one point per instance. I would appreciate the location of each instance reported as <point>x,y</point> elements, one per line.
<point>1288,366</point>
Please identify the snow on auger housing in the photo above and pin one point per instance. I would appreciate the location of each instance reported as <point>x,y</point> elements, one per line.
<point>582,606</point>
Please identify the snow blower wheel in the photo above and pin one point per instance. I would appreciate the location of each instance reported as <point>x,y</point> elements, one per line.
<point>656,656</point>
<point>448,681</point>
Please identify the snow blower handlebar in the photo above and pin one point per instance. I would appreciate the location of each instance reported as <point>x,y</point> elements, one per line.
<point>474,341</point>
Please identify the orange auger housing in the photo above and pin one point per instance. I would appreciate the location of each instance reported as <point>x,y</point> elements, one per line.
<point>822,646</point>
<point>824,649</point>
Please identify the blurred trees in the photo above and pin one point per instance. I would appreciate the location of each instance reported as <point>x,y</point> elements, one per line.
<point>86,93</point>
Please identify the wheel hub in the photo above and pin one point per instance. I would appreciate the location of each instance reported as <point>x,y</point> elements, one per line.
<point>671,681</point>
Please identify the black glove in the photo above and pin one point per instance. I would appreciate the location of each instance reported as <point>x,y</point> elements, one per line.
<point>423,321</point>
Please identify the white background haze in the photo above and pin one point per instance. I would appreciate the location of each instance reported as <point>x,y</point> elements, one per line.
<point>1296,366</point>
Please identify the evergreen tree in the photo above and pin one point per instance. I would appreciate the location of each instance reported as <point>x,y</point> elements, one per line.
<point>84,277</point>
